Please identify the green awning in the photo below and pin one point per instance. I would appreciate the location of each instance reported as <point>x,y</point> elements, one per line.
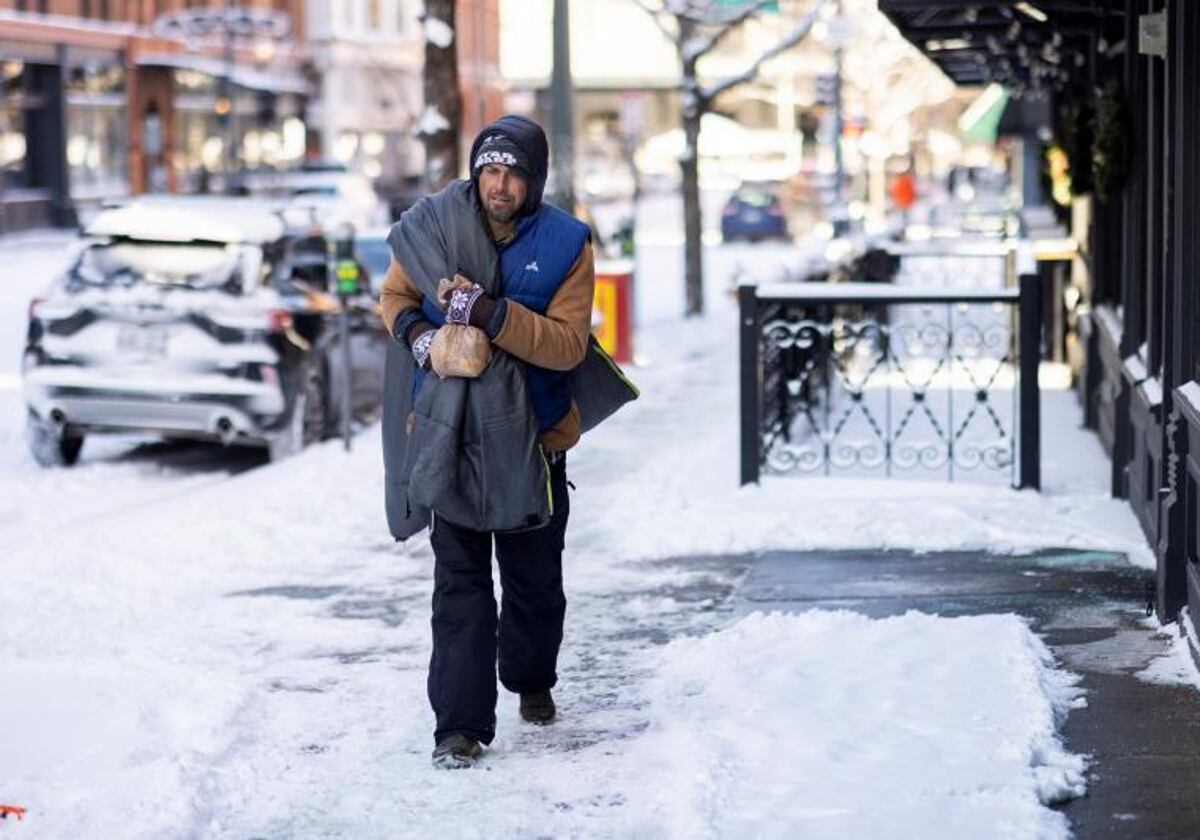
<point>979,122</point>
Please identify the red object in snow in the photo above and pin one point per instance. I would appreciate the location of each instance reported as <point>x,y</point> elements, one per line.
<point>612,309</point>
<point>5,810</point>
<point>903,190</point>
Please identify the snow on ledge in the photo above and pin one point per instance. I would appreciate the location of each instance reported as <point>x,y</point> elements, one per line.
<point>438,32</point>
<point>877,291</point>
<point>834,723</point>
<point>1190,391</point>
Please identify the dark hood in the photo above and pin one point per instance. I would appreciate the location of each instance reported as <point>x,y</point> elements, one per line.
<point>534,154</point>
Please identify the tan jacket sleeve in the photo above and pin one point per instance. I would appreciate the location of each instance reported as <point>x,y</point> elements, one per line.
<point>398,293</point>
<point>557,340</point>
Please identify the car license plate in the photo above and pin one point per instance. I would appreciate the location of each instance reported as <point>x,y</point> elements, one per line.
<point>142,342</point>
<point>753,216</point>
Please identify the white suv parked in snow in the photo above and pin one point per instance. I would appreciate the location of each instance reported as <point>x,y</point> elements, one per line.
<point>190,317</point>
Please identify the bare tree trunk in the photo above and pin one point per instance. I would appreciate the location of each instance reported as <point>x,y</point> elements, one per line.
<point>693,265</point>
<point>689,164</point>
<point>441,121</point>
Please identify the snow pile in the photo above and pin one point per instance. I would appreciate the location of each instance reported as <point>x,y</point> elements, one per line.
<point>830,724</point>
<point>1176,666</point>
<point>438,32</point>
<point>430,122</point>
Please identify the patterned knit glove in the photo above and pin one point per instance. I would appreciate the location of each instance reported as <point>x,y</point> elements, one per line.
<point>462,301</point>
<point>420,348</point>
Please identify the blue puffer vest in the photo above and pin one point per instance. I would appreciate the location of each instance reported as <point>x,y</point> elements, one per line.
<point>532,267</point>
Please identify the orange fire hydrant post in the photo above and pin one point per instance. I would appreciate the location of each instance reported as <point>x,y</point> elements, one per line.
<point>612,308</point>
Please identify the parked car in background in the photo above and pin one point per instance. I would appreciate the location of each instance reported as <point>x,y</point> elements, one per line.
<point>203,318</point>
<point>372,250</point>
<point>753,213</point>
<point>336,195</point>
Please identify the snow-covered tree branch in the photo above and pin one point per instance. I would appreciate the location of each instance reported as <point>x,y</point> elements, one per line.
<point>798,34</point>
<point>695,28</point>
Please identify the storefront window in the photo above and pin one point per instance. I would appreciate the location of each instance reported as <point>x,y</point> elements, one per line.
<point>264,134</point>
<point>96,129</point>
<point>12,125</point>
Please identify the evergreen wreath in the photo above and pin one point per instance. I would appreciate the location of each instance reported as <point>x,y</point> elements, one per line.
<point>1110,126</point>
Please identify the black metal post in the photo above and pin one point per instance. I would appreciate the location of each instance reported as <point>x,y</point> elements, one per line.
<point>750,360</point>
<point>1029,355</point>
<point>562,120</point>
<point>229,160</point>
<point>345,269</point>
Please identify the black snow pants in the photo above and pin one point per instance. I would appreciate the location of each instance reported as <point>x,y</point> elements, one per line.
<point>466,634</point>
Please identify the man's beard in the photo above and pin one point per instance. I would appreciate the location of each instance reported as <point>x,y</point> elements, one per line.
<point>503,214</point>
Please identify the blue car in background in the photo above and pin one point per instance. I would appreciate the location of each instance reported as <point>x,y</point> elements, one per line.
<point>753,213</point>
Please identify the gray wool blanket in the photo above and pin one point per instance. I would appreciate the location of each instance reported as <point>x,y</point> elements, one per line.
<point>472,455</point>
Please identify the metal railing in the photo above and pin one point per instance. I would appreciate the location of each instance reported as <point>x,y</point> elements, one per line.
<point>875,379</point>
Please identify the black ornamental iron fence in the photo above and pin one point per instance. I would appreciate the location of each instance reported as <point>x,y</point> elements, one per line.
<point>878,380</point>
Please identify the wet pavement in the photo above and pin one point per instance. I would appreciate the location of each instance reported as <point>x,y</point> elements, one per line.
<point>1143,739</point>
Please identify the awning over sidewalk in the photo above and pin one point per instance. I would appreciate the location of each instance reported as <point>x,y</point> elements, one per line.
<point>1017,43</point>
<point>251,78</point>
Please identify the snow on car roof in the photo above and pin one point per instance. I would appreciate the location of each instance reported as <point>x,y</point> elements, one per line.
<point>190,219</point>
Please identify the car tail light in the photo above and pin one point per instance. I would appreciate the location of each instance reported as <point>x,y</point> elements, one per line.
<point>268,375</point>
<point>279,320</point>
<point>775,210</point>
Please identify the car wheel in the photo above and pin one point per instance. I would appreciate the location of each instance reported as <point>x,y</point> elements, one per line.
<point>50,447</point>
<point>308,421</point>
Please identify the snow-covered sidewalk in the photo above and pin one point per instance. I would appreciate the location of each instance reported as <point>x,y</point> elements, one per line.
<point>248,658</point>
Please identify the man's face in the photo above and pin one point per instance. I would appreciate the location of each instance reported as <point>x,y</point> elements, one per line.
<point>503,192</point>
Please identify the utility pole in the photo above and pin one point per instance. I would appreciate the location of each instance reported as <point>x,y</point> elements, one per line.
<point>229,160</point>
<point>562,125</point>
<point>839,169</point>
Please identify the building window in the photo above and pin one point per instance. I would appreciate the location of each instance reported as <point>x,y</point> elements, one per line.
<point>12,125</point>
<point>373,19</point>
<point>96,128</point>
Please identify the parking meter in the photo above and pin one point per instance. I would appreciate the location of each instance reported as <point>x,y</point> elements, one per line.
<point>346,274</point>
<point>346,267</point>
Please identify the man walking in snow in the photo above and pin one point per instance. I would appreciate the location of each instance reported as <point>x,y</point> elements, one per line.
<point>532,313</point>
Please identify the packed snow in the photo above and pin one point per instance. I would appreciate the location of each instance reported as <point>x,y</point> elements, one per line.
<point>1175,666</point>
<point>198,651</point>
<point>831,725</point>
<point>438,32</point>
<point>430,122</point>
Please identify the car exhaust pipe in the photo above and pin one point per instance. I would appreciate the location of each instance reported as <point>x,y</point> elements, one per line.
<point>225,430</point>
